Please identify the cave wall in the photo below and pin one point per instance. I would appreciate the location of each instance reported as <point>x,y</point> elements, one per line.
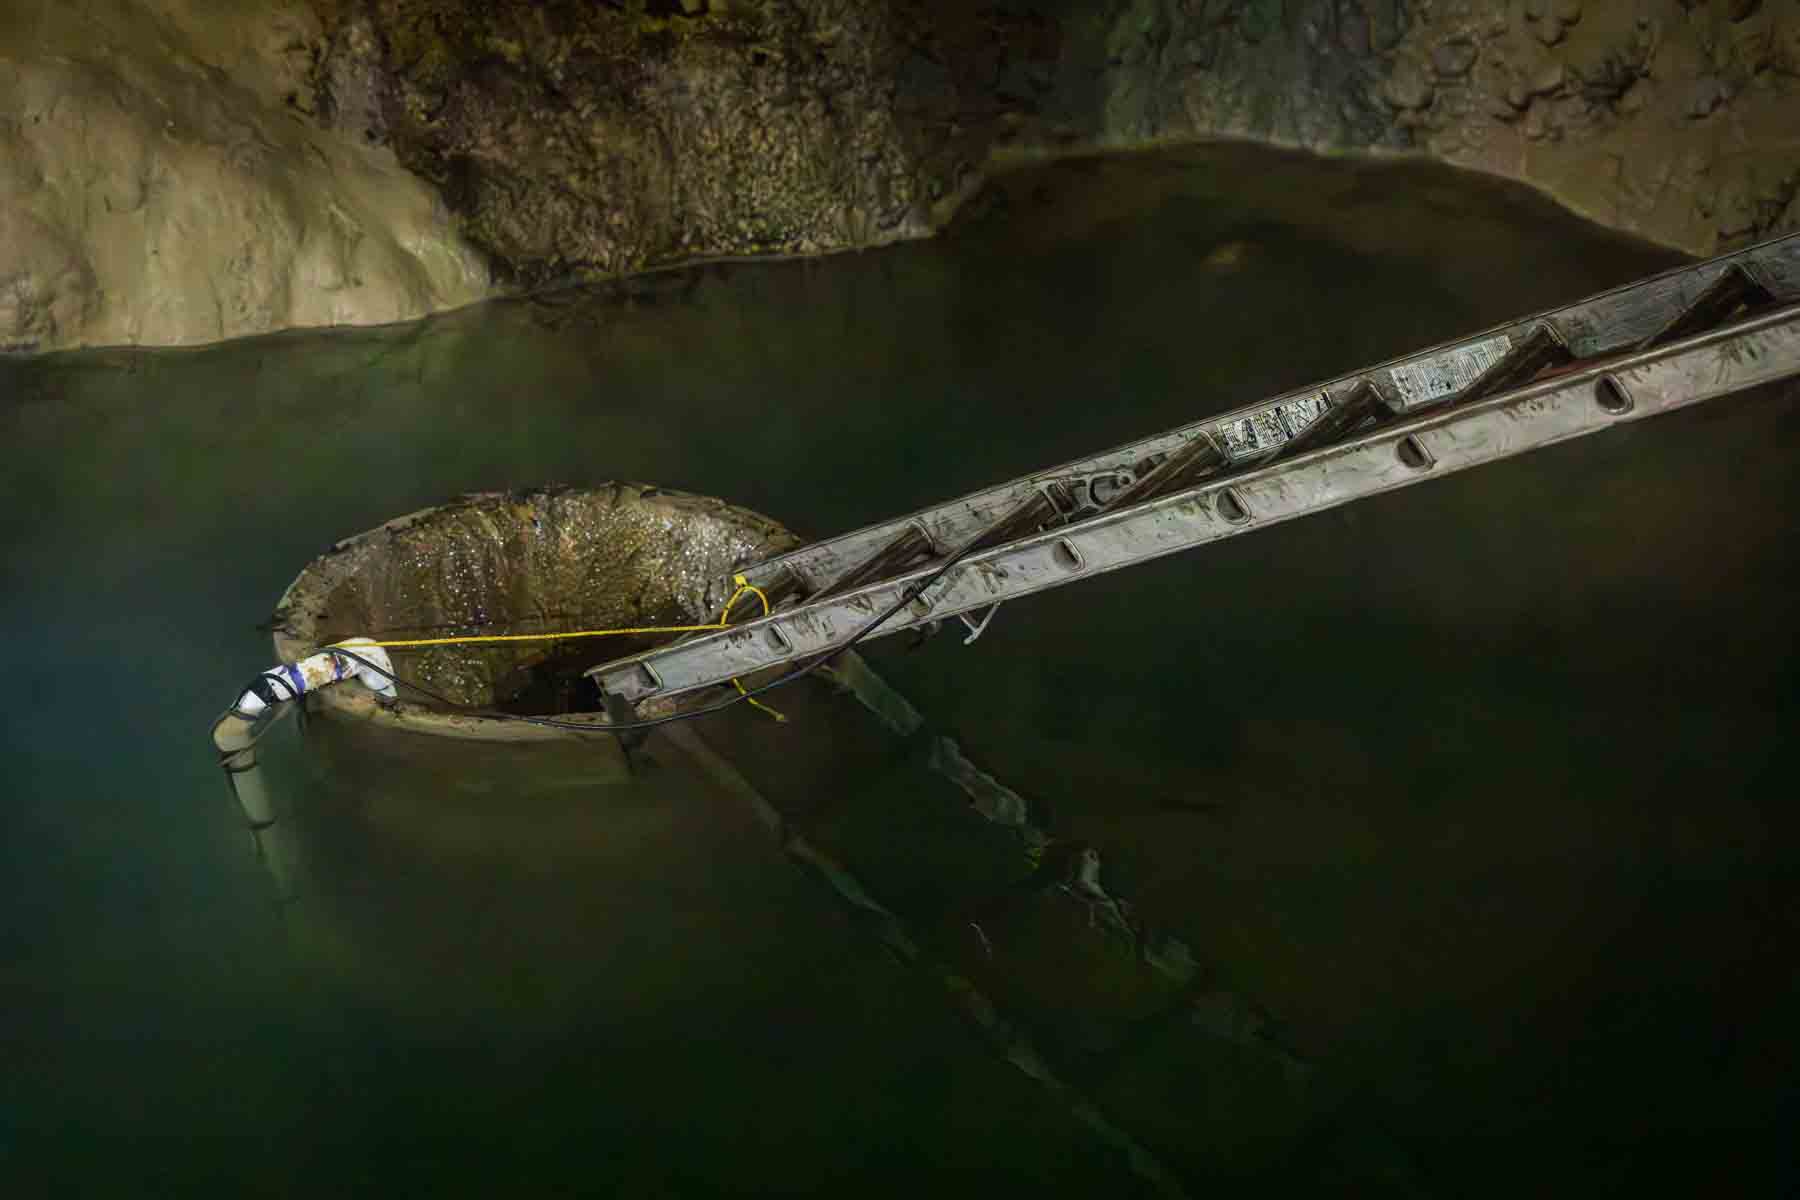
<point>181,171</point>
<point>1678,120</point>
<point>158,184</point>
<point>573,138</point>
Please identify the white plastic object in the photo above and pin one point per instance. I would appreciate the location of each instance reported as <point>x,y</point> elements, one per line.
<point>293,680</point>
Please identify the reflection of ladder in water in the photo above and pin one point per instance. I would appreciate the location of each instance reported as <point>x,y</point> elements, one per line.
<point>1689,335</point>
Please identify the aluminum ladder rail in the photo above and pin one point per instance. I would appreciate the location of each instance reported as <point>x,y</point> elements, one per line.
<point>1689,335</point>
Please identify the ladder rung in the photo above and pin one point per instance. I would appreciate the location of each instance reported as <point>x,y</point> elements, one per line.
<point>1036,512</point>
<point>897,555</point>
<point>1363,404</point>
<point>784,586</point>
<point>1199,457</point>
<point>1538,351</point>
<point>1733,290</point>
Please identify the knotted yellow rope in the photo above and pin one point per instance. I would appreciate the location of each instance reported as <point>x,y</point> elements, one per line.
<point>744,587</point>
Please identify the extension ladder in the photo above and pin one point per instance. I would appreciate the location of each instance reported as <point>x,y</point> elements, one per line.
<point>1689,335</point>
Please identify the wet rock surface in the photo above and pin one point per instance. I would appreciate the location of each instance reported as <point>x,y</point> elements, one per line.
<point>613,138</point>
<point>581,138</point>
<point>1673,120</point>
<point>181,171</point>
<point>158,185</point>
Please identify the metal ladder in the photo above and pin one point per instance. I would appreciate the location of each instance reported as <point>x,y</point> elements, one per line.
<point>1686,336</point>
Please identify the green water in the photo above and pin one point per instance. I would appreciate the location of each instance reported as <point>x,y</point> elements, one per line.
<point>1480,789</point>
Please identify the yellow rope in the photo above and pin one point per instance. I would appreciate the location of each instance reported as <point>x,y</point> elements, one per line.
<point>755,703</point>
<point>724,622</point>
<point>744,585</point>
<point>408,643</point>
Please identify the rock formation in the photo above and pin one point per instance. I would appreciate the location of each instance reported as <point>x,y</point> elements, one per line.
<point>1678,120</point>
<point>179,171</point>
<point>581,138</point>
<point>158,184</point>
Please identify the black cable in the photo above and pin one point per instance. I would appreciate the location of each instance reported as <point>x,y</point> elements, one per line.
<point>260,723</point>
<point>906,597</point>
<point>260,728</point>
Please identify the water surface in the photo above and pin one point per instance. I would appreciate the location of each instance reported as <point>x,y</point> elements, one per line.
<point>1478,788</point>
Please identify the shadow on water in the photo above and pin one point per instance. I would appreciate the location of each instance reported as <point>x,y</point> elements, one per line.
<point>1477,788</point>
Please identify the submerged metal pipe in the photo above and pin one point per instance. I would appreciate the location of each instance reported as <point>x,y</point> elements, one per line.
<point>271,696</point>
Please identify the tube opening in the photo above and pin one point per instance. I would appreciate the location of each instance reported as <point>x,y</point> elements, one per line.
<point>537,566</point>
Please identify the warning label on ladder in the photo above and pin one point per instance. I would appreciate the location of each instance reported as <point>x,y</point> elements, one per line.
<point>1428,379</point>
<point>1265,430</point>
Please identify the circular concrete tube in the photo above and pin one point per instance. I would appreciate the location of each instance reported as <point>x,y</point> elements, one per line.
<point>545,561</point>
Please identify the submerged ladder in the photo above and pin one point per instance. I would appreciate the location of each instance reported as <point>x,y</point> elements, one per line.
<point>1689,335</point>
